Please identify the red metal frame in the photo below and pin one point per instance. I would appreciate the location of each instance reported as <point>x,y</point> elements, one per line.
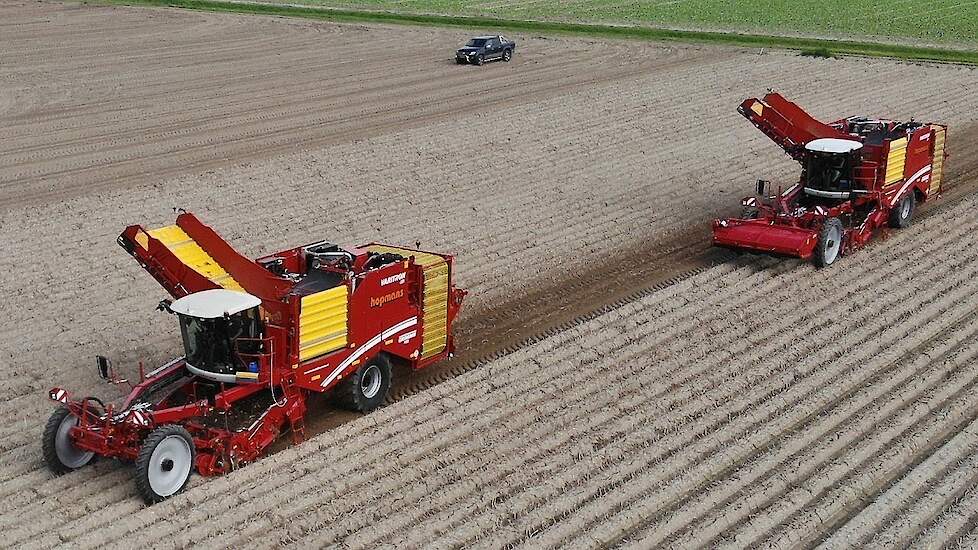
<point>378,323</point>
<point>780,225</point>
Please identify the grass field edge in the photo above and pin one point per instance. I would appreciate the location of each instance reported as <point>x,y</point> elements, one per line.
<point>833,47</point>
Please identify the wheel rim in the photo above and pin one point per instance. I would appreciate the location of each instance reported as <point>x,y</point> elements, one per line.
<point>507,56</point>
<point>833,242</point>
<point>905,208</point>
<point>70,455</point>
<point>370,382</point>
<point>169,466</point>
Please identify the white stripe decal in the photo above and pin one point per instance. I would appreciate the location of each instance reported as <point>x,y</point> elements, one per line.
<point>367,346</point>
<point>163,368</point>
<point>910,182</point>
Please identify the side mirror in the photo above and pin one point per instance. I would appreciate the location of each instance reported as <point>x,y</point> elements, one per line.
<point>761,185</point>
<point>104,367</point>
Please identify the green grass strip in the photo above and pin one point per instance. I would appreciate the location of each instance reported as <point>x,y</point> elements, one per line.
<point>829,47</point>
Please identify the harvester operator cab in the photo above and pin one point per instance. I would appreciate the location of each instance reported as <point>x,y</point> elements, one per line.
<point>211,323</point>
<point>829,168</point>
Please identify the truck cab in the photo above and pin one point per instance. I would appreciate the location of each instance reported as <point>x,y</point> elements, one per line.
<point>485,48</point>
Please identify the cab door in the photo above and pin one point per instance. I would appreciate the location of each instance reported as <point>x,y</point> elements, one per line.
<point>494,48</point>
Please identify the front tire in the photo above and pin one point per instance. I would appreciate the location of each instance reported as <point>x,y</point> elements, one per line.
<point>507,56</point>
<point>165,462</point>
<point>60,454</point>
<point>901,214</point>
<point>479,60</point>
<point>367,387</point>
<point>829,245</point>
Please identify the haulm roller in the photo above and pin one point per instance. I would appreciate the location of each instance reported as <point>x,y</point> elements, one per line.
<point>858,175</point>
<point>259,337</point>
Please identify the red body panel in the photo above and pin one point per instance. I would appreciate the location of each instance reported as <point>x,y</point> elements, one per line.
<point>763,236</point>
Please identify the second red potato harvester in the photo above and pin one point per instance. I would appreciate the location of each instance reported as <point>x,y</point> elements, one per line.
<point>858,175</point>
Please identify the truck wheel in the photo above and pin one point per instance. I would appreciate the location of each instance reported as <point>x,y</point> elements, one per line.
<point>507,55</point>
<point>901,214</point>
<point>367,388</point>
<point>60,454</point>
<point>479,59</point>
<point>829,246</point>
<point>164,463</point>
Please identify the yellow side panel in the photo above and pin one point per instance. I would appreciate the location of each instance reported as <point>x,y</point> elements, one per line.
<point>190,253</point>
<point>322,322</point>
<point>435,307</point>
<point>937,166</point>
<point>435,335</point>
<point>896,161</point>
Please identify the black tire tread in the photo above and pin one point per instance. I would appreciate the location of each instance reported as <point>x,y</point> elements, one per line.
<point>146,452</point>
<point>48,446</point>
<point>895,221</point>
<point>348,394</point>
<point>819,256</point>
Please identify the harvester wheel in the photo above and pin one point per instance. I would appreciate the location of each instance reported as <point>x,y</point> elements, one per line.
<point>60,453</point>
<point>829,246</point>
<point>164,463</point>
<point>366,388</point>
<point>901,214</point>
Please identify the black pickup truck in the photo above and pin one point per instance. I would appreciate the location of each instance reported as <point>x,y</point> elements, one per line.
<point>485,48</point>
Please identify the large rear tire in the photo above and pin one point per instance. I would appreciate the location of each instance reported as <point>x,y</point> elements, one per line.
<point>60,454</point>
<point>165,462</point>
<point>367,387</point>
<point>829,245</point>
<point>900,214</point>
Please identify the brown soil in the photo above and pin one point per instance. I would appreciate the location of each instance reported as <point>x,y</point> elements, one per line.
<point>562,183</point>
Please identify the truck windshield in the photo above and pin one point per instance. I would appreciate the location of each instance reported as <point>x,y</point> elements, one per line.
<point>209,343</point>
<point>476,43</point>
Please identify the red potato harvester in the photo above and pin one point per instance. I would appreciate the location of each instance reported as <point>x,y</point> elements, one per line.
<point>858,174</point>
<point>316,318</point>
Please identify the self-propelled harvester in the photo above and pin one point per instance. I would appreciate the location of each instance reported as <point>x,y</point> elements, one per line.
<point>858,174</point>
<point>258,336</point>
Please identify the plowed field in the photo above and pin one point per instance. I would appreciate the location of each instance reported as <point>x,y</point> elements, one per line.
<point>761,402</point>
<point>755,402</point>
